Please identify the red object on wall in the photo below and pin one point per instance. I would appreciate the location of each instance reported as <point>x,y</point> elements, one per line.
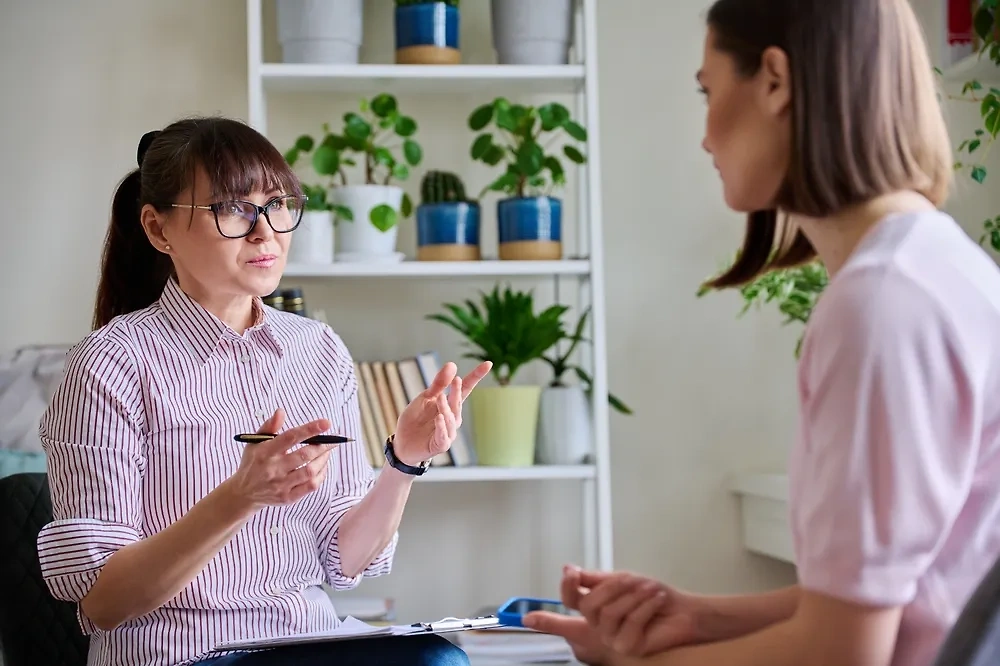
<point>960,21</point>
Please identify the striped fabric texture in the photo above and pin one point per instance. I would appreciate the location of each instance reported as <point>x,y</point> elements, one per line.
<point>142,428</point>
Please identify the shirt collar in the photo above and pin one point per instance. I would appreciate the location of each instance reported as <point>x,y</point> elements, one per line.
<point>203,331</point>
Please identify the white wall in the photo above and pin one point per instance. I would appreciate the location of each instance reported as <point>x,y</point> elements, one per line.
<point>713,395</point>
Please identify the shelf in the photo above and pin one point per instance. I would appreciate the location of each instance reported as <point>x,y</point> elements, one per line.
<point>974,67</point>
<point>534,473</point>
<point>422,79</point>
<point>440,269</point>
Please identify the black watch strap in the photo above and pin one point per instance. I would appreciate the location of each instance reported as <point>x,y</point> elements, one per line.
<point>396,463</point>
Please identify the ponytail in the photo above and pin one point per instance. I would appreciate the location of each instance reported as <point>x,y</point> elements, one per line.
<point>133,272</point>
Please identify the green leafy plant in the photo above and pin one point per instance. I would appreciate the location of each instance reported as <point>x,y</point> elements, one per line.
<point>521,138</point>
<point>560,363</point>
<point>505,329</point>
<point>794,291</point>
<point>407,3</point>
<point>974,150</point>
<point>364,138</point>
<point>441,187</point>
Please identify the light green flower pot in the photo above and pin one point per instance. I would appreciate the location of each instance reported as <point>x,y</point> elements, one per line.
<point>505,422</point>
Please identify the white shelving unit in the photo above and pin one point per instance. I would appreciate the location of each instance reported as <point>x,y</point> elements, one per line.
<point>587,271</point>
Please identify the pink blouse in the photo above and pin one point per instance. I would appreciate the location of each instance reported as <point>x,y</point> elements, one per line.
<point>142,427</point>
<point>895,479</point>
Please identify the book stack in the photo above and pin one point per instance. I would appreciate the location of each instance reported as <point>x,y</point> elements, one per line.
<point>385,388</point>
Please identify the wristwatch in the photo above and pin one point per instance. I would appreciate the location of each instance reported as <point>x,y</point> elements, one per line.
<point>396,463</point>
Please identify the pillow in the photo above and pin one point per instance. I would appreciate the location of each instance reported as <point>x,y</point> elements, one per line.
<point>15,462</point>
<point>28,378</point>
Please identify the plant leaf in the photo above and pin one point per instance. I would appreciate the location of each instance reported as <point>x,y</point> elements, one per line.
<point>406,126</point>
<point>326,160</point>
<point>481,117</point>
<point>383,105</point>
<point>383,217</point>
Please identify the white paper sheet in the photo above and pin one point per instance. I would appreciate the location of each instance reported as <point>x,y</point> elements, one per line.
<point>351,628</point>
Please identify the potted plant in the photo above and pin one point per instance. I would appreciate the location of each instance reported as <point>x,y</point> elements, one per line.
<point>564,418</point>
<point>529,219</point>
<point>427,32</point>
<point>795,292</point>
<point>368,213</point>
<point>508,332</point>
<point>320,31</point>
<point>532,32</point>
<point>312,241</point>
<point>447,222</point>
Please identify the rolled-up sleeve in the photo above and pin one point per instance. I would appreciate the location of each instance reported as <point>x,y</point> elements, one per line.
<point>92,434</point>
<point>354,475</point>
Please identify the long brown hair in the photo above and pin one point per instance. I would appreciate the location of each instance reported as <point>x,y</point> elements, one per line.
<point>865,116</point>
<point>237,160</point>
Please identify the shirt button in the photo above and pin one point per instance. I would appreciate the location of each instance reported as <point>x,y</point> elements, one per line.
<point>275,530</point>
<point>245,358</point>
<point>259,413</point>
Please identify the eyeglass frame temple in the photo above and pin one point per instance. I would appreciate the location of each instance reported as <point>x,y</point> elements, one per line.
<point>257,212</point>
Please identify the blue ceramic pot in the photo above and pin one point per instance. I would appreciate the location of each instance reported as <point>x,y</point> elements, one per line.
<point>427,34</point>
<point>530,228</point>
<point>448,231</point>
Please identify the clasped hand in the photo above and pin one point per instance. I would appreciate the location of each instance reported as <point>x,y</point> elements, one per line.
<point>620,614</point>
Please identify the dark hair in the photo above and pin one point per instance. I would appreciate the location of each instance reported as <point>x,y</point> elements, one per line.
<point>237,160</point>
<point>865,116</point>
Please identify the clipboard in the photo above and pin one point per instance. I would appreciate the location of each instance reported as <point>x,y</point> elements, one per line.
<point>354,629</point>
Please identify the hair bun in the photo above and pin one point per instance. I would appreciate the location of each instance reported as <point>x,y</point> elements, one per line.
<point>144,143</point>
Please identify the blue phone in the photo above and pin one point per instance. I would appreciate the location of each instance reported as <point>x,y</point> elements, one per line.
<point>511,612</point>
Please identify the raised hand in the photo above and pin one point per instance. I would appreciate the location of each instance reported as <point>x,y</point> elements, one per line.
<point>269,474</point>
<point>430,423</point>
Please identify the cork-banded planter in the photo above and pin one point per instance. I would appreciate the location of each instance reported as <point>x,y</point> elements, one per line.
<point>427,33</point>
<point>530,228</point>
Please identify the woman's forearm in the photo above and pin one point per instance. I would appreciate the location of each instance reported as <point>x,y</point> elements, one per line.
<point>144,575</point>
<point>368,526</point>
<point>726,617</point>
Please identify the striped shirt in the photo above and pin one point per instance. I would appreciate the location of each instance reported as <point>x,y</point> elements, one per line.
<point>141,428</point>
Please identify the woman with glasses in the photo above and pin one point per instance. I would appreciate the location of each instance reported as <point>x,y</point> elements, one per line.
<point>172,537</point>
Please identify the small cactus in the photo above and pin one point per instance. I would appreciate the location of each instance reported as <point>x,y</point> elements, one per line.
<point>441,186</point>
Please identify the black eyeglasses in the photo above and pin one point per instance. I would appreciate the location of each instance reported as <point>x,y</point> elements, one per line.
<point>236,218</point>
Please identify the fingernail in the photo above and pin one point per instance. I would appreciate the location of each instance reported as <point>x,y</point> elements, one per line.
<point>528,620</point>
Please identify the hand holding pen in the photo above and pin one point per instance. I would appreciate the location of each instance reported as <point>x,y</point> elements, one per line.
<point>270,474</point>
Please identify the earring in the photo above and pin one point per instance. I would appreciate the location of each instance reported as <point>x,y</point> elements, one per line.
<point>166,247</point>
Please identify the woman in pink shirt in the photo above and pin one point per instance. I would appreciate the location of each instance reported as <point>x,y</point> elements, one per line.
<point>824,127</point>
<point>171,537</point>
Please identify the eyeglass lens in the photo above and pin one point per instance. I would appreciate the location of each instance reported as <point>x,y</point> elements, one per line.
<point>237,217</point>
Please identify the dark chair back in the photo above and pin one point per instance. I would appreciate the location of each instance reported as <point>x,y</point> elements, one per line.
<point>35,628</point>
<point>974,639</point>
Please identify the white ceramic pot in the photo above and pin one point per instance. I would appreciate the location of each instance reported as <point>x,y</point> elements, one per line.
<point>565,436</point>
<point>320,31</point>
<point>312,241</point>
<point>532,32</point>
<point>359,239</point>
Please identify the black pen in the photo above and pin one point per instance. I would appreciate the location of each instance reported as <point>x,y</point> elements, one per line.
<point>257,437</point>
